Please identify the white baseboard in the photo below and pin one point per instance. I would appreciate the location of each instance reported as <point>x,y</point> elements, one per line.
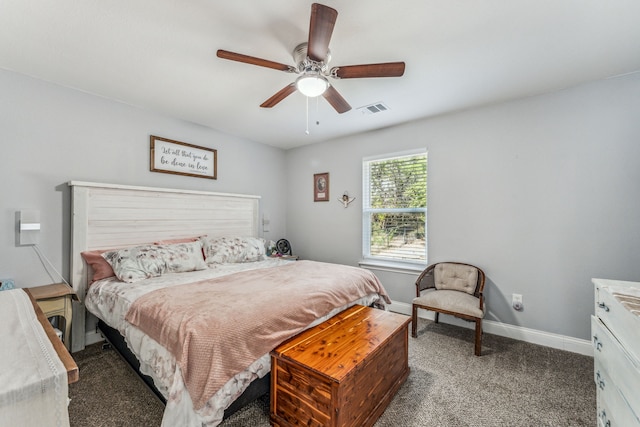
<point>533,336</point>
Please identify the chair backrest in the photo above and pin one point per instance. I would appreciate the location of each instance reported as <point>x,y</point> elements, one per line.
<point>456,277</point>
<point>452,276</point>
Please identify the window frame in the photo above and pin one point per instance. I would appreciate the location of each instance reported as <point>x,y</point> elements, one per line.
<point>389,263</point>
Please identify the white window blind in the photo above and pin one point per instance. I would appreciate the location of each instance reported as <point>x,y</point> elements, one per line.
<point>395,208</point>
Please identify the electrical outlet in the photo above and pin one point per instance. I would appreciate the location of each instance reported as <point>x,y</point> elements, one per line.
<point>516,302</point>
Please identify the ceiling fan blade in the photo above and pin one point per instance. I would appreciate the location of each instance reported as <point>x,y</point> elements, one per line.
<point>336,100</point>
<point>323,19</point>
<point>225,54</point>
<point>387,69</point>
<point>279,96</point>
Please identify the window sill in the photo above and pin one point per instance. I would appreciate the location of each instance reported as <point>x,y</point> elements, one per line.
<point>392,266</point>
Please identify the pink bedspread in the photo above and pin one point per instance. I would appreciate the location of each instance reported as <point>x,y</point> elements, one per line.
<point>217,328</point>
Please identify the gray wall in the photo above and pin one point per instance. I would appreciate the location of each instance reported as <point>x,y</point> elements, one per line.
<point>542,193</point>
<point>50,135</point>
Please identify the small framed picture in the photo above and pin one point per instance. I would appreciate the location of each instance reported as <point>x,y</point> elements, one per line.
<point>321,187</point>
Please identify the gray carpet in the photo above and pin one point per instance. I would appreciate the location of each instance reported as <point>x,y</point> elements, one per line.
<point>512,384</point>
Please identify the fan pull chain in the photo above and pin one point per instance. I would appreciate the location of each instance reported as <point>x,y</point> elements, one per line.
<point>317,110</point>
<point>307,131</point>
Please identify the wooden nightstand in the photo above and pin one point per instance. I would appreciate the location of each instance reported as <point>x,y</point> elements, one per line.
<point>55,300</point>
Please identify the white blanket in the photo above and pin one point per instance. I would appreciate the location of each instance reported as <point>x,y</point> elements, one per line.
<point>33,380</point>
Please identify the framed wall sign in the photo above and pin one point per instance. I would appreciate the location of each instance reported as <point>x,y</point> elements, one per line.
<point>321,187</point>
<point>180,158</point>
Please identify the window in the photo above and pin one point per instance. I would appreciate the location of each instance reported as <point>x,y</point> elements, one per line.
<point>394,210</point>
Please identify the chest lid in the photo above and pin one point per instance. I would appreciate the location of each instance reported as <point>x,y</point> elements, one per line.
<point>336,347</point>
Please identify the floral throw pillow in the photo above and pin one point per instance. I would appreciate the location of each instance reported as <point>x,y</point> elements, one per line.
<point>141,262</point>
<point>220,250</point>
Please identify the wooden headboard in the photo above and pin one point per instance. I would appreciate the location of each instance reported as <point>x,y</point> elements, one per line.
<point>105,216</point>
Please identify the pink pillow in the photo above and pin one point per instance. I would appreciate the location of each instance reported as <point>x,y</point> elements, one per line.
<point>100,266</point>
<point>179,240</point>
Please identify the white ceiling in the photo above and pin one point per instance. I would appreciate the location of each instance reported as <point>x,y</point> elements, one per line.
<point>160,55</point>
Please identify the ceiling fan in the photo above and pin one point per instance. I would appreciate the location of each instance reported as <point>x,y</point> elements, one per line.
<point>312,59</point>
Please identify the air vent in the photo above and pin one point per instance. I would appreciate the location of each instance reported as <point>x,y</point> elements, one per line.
<point>378,107</point>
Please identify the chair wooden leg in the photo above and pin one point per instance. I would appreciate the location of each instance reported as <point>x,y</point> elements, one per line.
<point>414,322</point>
<point>478,337</point>
<point>436,317</point>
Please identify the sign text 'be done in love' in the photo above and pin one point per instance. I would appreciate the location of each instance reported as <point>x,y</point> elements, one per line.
<point>180,158</point>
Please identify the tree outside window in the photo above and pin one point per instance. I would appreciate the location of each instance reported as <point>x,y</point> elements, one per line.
<point>395,208</point>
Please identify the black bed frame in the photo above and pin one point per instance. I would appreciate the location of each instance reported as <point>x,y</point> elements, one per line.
<point>257,388</point>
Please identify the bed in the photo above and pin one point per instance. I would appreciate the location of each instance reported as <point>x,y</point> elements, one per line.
<point>207,373</point>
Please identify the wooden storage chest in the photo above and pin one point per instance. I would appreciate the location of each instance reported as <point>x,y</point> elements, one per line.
<point>343,372</point>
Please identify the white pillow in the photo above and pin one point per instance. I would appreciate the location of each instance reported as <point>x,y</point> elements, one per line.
<point>220,250</point>
<point>141,262</point>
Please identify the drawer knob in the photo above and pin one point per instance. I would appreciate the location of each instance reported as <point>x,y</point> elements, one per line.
<point>603,306</point>
<point>599,380</point>
<point>596,343</point>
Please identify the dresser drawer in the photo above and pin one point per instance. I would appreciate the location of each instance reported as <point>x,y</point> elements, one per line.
<point>613,409</point>
<point>618,307</point>
<point>613,362</point>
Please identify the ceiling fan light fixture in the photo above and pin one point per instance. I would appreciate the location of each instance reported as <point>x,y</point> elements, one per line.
<point>312,64</point>
<point>312,85</point>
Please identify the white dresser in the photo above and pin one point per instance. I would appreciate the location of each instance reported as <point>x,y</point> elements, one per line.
<point>615,330</point>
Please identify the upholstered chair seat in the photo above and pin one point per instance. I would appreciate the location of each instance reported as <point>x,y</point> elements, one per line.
<point>451,301</point>
<point>451,288</point>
